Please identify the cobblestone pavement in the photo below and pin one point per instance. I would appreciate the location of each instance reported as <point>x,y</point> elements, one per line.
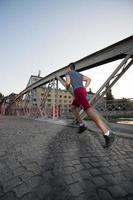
<point>42,161</point>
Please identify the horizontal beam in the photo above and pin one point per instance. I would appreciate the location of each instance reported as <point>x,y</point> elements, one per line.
<point>111,53</point>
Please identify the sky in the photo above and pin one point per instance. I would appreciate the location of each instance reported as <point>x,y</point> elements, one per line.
<point>47,35</point>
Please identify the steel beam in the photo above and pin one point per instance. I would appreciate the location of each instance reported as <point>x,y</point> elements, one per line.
<point>111,53</point>
<point>95,99</point>
<point>100,93</point>
<point>103,89</point>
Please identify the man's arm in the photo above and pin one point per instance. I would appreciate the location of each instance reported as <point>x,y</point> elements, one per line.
<point>68,81</point>
<point>87,80</point>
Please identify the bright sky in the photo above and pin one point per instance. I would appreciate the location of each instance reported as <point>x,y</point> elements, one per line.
<point>47,35</point>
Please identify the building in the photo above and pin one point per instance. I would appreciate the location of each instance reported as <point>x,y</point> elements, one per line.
<point>47,98</point>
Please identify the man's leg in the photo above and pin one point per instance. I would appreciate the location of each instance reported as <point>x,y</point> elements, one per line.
<point>108,135</point>
<point>95,117</point>
<point>76,113</point>
<point>82,127</point>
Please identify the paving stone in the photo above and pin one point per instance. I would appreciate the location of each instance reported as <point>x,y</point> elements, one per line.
<point>129,160</point>
<point>104,195</point>
<point>85,174</point>
<point>99,181</point>
<point>27,175</point>
<point>119,177</point>
<point>87,165</point>
<point>88,187</point>
<point>75,162</point>
<point>13,163</point>
<point>127,186</point>
<point>35,181</point>
<point>95,171</point>
<point>85,160</point>
<point>114,169</point>
<point>59,182</point>
<point>112,163</point>
<point>69,179</point>
<point>96,164</point>
<point>43,191</point>
<point>82,197</point>
<point>76,176</point>
<point>69,170</point>
<point>122,162</point>
<point>130,197</point>
<point>1,191</point>
<point>19,171</point>
<point>110,179</point>
<point>22,189</point>
<point>128,175</point>
<point>3,152</point>
<point>52,162</point>
<point>34,167</point>
<point>6,175</point>
<point>11,183</point>
<point>76,189</point>
<point>105,170</point>
<point>94,159</point>
<point>9,196</point>
<point>78,167</point>
<point>48,166</point>
<point>117,191</point>
<point>93,197</point>
<point>30,196</point>
<point>130,165</point>
<point>125,167</point>
<point>48,175</point>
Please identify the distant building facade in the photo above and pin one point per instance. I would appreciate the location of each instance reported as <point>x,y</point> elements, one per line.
<point>46,96</point>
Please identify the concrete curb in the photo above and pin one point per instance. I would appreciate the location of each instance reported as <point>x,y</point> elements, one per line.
<point>92,129</point>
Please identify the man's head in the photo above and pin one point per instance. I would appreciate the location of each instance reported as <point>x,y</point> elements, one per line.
<point>71,66</point>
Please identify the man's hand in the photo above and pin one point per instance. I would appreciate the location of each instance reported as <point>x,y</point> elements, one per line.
<point>87,80</point>
<point>67,87</point>
<point>68,82</point>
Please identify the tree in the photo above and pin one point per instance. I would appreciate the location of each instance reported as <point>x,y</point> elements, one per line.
<point>109,95</point>
<point>1,97</point>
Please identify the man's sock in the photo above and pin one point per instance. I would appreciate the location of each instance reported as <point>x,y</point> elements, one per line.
<point>107,133</point>
<point>81,124</point>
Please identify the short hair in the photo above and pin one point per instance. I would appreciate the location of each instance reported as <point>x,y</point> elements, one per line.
<point>72,66</point>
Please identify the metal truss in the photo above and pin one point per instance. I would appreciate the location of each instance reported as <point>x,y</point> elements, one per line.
<point>41,104</point>
<point>111,53</point>
<point>107,85</point>
<point>120,50</point>
<point>46,93</point>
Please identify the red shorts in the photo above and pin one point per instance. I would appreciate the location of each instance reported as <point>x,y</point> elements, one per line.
<point>80,99</point>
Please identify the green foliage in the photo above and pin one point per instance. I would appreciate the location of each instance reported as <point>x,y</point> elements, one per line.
<point>1,97</point>
<point>109,95</point>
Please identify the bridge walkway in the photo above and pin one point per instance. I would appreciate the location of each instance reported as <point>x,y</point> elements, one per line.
<point>45,161</point>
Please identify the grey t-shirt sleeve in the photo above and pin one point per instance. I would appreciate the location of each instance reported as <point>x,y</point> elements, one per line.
<point>76,79</point>
<point>67,73</point>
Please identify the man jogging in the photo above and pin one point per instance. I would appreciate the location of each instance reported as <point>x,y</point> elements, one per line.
<point>76,79</point>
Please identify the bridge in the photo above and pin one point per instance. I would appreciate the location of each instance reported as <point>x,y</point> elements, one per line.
<point>23,103</point>
<point>43,157</point>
